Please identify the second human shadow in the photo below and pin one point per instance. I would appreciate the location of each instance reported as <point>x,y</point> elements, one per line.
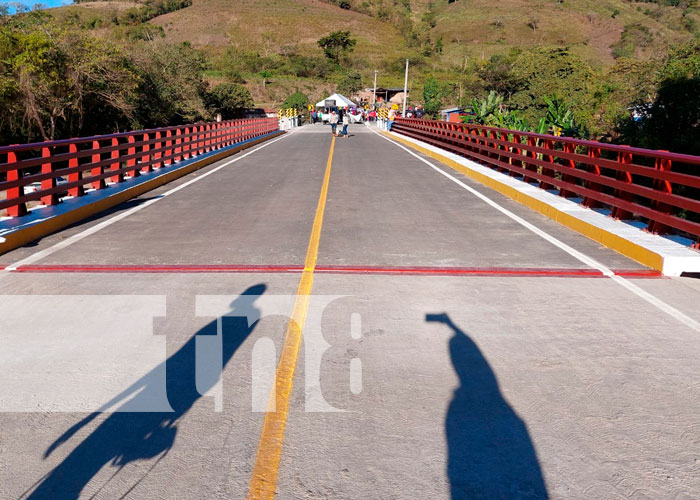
<point>491,455</point>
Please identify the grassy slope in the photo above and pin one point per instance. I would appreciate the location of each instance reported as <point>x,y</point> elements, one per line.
<point>474,28</point>
<point>267,25</point>
<point>469,29</point>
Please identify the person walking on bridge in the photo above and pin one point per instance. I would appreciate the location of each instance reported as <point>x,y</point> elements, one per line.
<point>346,122</point>
<point>390,122</point>
<point>333,120</point>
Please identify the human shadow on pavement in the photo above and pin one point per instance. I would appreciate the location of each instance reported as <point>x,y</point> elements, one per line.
<point>491,455</point>
<point>132,432</point>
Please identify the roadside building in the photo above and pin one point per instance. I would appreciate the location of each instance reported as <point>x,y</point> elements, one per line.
<point>384,94</point>
<point>453,114</point>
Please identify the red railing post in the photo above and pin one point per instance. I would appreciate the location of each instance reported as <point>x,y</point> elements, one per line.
<point>547,158</point>
<point>530,167</point>
<point>168,148</point>
<point>623,158</point>
<point>146,158</point>
<point>468,135</point>
<point>593,153</point>
<point>189,143</point>
<point>96,158</point>
<point>74,176</point>
<point>193,141</point>
<point>661,165</point>
<point>515,149</point>
<point>199,145</point>
<point>15,174</point>
<point>483,143</point>
<point>503,137</point>
<point>568,148</point>
<point>178,143</point>
<point>47,168</point>
<point>132,171</point>
<point>115,165</point>
<point>158,154</point>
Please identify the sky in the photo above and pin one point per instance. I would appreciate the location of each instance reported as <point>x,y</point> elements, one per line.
<point>30,3</point>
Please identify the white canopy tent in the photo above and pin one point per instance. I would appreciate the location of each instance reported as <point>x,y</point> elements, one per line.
<point>340,101</point>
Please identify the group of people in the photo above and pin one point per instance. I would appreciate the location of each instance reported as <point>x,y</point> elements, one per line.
<point>342,117</point>
<point>335,118</point>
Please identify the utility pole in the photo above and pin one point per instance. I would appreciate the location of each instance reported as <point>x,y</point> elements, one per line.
<point>405,91</point>
<point>374,95</point>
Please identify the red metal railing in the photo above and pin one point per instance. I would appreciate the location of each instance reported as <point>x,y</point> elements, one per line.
<point>658,187</point>
<point>66,167</point>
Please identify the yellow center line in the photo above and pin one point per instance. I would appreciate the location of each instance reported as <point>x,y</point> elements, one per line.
<point>264,477</point>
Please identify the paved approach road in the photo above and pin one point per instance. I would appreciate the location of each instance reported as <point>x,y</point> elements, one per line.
<point>448,350</point>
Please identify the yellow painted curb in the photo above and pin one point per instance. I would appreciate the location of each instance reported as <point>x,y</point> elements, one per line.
<point>610,240</point>
<point>40,229</point>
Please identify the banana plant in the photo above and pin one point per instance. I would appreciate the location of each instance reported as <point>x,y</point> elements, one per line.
<point>486,110</point>
<point>560,118</point>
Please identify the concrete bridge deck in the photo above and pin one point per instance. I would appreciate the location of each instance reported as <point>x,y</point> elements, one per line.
<point>496,359</point>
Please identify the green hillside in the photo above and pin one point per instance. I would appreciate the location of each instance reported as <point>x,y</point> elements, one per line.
<point>439,36</point>
<point>600,57</point>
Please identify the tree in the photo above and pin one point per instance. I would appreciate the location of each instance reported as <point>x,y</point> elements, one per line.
<point>230,99</point>
<point>172,90</point>
<point>350,83</point>
<point>432,96</point>
<point>629,85</point>
<point>672,121</point>
<point>337,44</point>
<point>297,100</point>
<point>548,71</point>
<point>498,74</point>
<point>62,81</point>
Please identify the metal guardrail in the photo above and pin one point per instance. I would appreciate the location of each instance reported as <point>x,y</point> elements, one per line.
<point>54,169</point>
<point>658,187</point>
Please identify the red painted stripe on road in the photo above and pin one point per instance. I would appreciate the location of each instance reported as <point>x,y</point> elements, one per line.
<point>457,271</point>
<point>379,270</point>
<point>485,271</point>
<point>638,273</point>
